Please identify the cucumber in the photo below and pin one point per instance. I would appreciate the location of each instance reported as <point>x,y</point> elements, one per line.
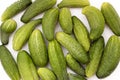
<point>36,8</point>
<point>75,49</point>
<point>15,8</point>
<point>49,22</point>
<point>81,33</point>
<point>9,63</point>
<point>7,27</point>
<point>74,65</point>
<point>73,3</point>
<point>75,77</point>
<point>57,60</point>
<point>46,74</point>
<point>65,20</point>
<point>23,33</point>
<point>112,17</point>
<point>26,66</point>
<point>110,58</point>
<point>96,21</point>
<point>37,48</point>
<point>95,53</point>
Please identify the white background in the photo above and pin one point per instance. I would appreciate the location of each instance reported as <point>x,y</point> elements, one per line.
<point>76,12</point>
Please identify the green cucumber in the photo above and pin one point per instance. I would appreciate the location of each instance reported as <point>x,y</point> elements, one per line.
<point>49,22</point>
<point>15,8</point>
<point>9,63</point>
<point>57,60</point>
<point>37,48</point>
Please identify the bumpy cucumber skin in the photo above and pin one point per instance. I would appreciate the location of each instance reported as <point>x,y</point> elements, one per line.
<point>65,20</point>
<point>7,27</point>
<point>75,77</point>
<point>36,8</point>
<point>15,8</point>
<point>23,33</point>
<point>73,3</point>
<point>49,22</point>
<point>110,58</point>
<point>46,74</point>
<point>81,33</point>
<point>76,50</point>
<point>37,48</point>
<point>95,52</point>
<point>26,67</point>
<point>9,63</point>
<point>74,65</point>
<point>96,21</point>
<point>57,60</point>
<point>111,16</point>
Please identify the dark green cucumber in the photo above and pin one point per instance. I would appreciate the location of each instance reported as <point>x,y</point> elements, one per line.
<point>46,74</point>
<point>110,58</point>
<point>15,8</point>
<point>75,49</point>
<point>81,33</point>
<point>9,63</point>
<point>95,53</point>
<point>49,22</point>
<point>26,66</point>
<point>37,48</point>
<point>23,33</point>
<point>57,60</point>
<point>36,8</point>
<point>74,65</point>
<point>112,17</point>
<point>65,20</point>
<point>75,77</point>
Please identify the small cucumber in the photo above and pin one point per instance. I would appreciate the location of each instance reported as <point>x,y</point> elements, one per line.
<point>110,58</point>
<point>46,74</point>
<point>111,16</point>
<point>15,8</point>
<point>23,33</point>
<point>26,67</point>
<point>96,21</point>
<point>9,63</point>
<point>49,22</point>
<point>7,28</point>
<point>65,20</point>
<point>36,8</point>
<point>57,60</point>
<point>75,49</point>
<point>73,3</point>
<point>95,53</point>
<point>74,65</point>
<point>81,33</point>
<point>37,48</point>
<point>75,77</point>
